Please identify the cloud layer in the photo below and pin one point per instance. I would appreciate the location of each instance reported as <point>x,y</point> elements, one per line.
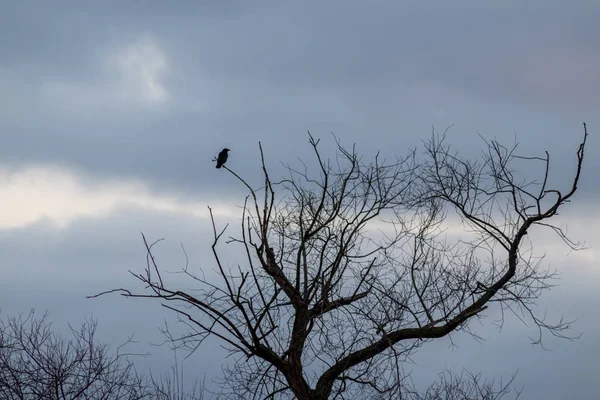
<point>111,114</point>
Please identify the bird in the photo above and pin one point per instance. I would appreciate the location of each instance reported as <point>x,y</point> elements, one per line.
<point>222,158</point>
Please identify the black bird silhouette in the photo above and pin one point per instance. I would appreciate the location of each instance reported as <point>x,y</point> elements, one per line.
<point>222,158</point>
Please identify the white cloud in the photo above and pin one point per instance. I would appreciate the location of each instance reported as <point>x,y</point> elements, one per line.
<point>581,225</point>
<point>61,196</point>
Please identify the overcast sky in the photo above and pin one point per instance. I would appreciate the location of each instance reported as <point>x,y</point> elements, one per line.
<point>110,115</point>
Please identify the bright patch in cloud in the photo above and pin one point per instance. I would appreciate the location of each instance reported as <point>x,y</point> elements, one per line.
<point>141,65</point>
<point>133,78</point>
<point>60,196</point>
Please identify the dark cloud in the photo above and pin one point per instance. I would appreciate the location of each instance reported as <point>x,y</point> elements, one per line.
<point>236,73</point>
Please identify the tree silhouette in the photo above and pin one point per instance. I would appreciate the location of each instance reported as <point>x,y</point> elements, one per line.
<point>36,363</point>
<point>352,266</point>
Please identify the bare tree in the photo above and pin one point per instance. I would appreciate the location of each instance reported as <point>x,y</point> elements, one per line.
<point>36,363</point>
<point>351,266</point>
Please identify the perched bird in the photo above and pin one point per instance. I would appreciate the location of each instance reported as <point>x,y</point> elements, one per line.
<point>222,158</point>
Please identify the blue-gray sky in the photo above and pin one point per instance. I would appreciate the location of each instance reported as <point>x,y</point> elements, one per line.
<point>110,115</point>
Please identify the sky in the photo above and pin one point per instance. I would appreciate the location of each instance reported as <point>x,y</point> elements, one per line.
<point>111,113</point>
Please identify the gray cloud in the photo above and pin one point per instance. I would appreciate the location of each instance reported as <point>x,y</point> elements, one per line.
<point>238,74</point>
<point>49,268</point>
<point>80,86</point>
<point>53,269</point>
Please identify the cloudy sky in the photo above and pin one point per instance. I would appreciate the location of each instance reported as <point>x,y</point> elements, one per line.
<point>111,112</point>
